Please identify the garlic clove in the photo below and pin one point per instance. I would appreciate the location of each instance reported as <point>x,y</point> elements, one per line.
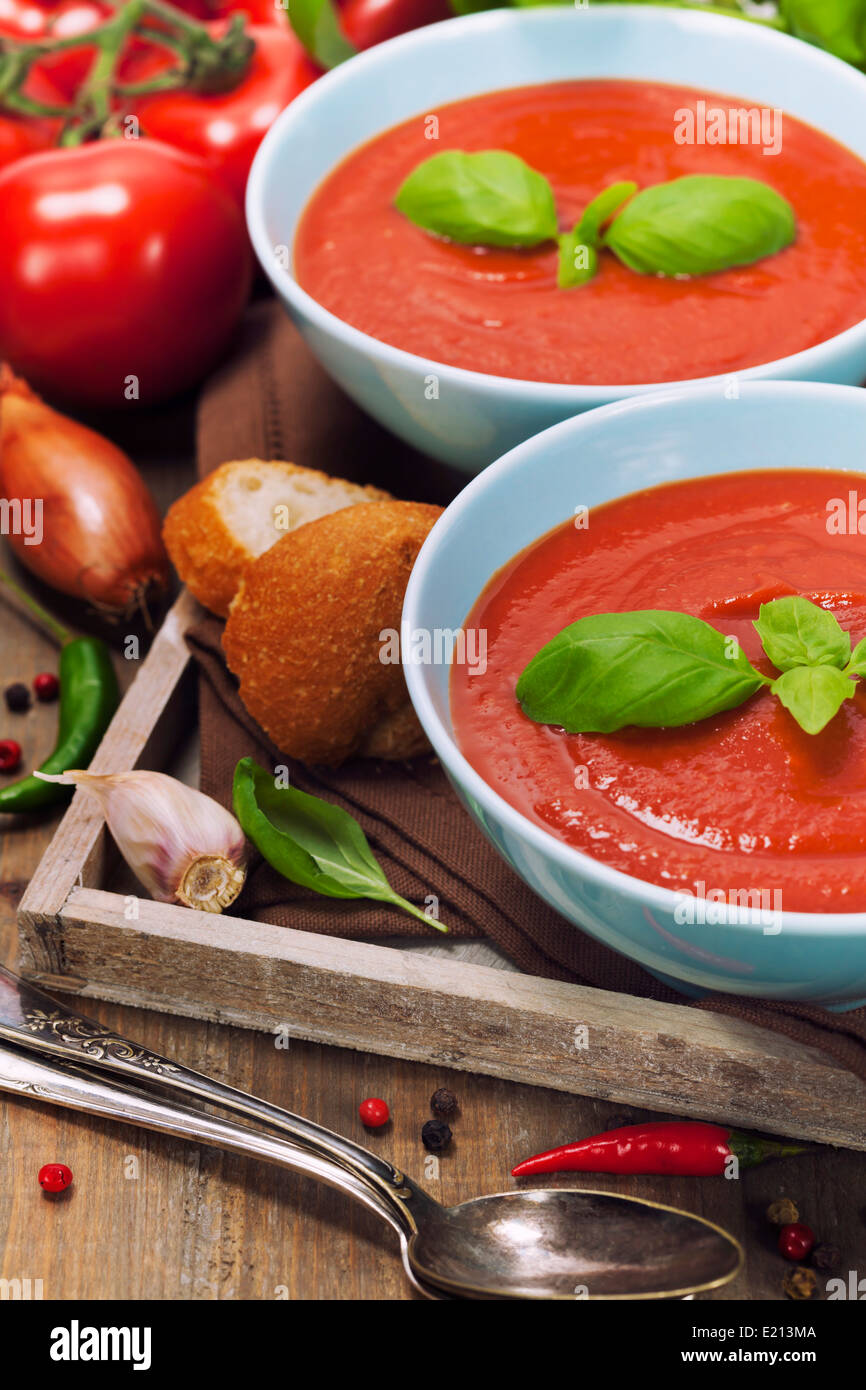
<point>180,844</point>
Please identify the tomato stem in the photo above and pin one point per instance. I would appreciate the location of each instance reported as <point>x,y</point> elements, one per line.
<point>94,106</point>
<point>205,64</point>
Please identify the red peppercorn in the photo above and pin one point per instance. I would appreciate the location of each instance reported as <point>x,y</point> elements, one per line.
<point>796,1240</point>
<point>10,755</point>
<point>55,1177</point>
<point>374,1112</point>
<point>46,687</point>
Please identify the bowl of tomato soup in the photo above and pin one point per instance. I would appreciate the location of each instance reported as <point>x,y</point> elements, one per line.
<point>465,350</point>
<point>726,854</point>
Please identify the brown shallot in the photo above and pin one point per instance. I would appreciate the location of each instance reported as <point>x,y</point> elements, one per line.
<point>76,511</point>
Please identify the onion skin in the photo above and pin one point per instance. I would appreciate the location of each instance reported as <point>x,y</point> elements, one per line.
<point>101,539</point>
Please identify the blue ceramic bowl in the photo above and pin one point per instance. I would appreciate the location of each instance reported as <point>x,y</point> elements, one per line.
<point>685,432</point>
<point>477,417</point>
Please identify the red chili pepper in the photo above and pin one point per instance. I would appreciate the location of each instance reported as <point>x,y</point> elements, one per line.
<point>681,1147</point>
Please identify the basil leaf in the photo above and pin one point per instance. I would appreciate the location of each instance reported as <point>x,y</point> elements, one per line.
<point>813,694</point>
<point>602,207</point>
<point>699,224</point>
<point>316,25</point>
<point>796,632</point>
<point>578,258</point>
<point>652,668</point>
<point>857,665</point>
<point>839,26</point>
<point>491,198</point>
<point>310,841</point>
<point>578,262</point>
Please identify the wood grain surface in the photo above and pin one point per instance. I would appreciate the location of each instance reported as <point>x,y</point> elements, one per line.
<point>150,1217</point>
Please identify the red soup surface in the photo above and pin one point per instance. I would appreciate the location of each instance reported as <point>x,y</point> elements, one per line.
<point>745,799</point>
<point>500,311</point>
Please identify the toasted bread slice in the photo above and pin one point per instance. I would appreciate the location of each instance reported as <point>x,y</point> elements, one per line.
<point>306,631</point>
<point>238,512</point>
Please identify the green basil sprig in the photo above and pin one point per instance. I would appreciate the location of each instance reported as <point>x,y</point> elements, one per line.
<point>310,841</point>
<point>814,655</point>
<point>695,225</point>
<point>491,198</point>
<point>659,669</point>
<point>700,224</point>
<point>578,250</point>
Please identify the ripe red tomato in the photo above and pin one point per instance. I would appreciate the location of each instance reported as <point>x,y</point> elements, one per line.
<point>227,128</point>
<point>121,260</point>
<point>368,22</point>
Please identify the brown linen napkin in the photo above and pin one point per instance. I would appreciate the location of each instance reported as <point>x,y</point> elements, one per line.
<point>273,401</point>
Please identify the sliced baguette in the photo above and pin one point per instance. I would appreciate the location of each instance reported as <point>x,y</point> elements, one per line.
<point>238,512</point>
<point>306,631</point>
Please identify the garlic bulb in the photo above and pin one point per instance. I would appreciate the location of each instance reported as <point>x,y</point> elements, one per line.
<point>182,845</point>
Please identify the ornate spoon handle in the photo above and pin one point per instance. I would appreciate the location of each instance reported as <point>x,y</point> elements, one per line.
<point>36,1021</point>
<point>62,1083</point>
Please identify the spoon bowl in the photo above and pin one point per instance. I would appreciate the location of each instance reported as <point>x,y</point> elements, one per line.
<point>567,1244</point>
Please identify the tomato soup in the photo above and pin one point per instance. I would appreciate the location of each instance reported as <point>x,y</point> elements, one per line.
<point>744,799</point>
<point>499,311</point>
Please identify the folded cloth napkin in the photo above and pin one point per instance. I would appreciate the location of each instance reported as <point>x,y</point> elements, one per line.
<point>272,400</point>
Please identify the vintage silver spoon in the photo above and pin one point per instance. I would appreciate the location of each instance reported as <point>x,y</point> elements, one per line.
<point>61,1083</point>
<point>542,1243</point>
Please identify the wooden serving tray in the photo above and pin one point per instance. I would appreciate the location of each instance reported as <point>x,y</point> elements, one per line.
<point>79,938</point>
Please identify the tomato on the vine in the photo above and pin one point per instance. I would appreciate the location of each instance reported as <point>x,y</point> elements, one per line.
<point>225,129</point>
<point>124,272</point>
<point>368,22</point>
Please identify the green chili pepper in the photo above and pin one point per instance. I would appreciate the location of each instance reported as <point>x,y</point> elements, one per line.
<point>88,698</point>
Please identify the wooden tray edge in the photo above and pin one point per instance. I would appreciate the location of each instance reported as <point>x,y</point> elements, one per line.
<point>78,937</point>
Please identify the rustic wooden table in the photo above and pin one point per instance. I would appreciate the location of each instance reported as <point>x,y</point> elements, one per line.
<point>150,1217</point>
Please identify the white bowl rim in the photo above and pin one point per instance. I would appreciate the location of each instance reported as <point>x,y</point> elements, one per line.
<point>801,364</point>
<point>648,895</point>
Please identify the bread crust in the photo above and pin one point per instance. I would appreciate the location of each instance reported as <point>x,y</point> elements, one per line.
<point>204,550</point>
<point>304,634</point>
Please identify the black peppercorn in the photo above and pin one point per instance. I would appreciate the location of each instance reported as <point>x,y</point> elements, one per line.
<point>826,1257</point>
<point>443,1102</point>
<point>436,1135</point>
<point>17,697</point>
